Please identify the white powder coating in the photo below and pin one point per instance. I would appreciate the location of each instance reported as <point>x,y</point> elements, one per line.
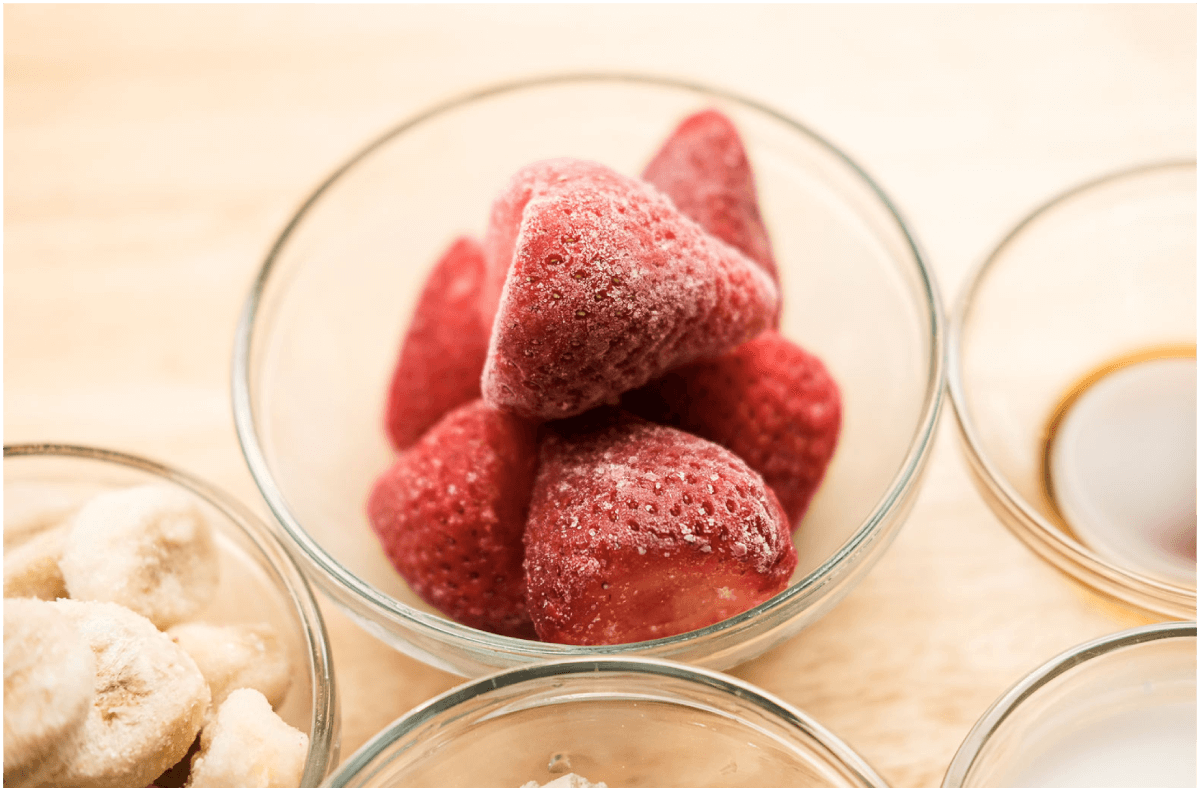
<point>49,685</point>
<point>607,286</point>
<point>148,548</point>
<point>237,656</point>
<point>31,570</point>
<point>247,745</point>
<point>569,780</point>
<point>703,168</point>
<point>747,524</point>
<point>150,699</point>
<point>624,541</point>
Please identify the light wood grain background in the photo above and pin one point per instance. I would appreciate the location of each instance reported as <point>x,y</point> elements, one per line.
<point>151,155</point>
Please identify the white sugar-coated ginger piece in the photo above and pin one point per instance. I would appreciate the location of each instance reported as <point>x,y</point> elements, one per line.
<point>31,569</point>
<point>49,684</point>
<point>569,780</point>
<point>149,548</point>
<point>247,745</point>
<point>236,656</point>
<point>150,699</point>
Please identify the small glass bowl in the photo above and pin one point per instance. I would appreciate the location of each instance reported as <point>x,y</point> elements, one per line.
<point>1104,272</point>
<point>259,581</point>
<point>319,336</point>
<point>1069,722</point>
<point>623,722</point>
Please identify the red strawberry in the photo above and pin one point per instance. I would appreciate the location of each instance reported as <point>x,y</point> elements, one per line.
<point>504,225</point>
<point>703,168</point>
<point>441,359</point>
<point>450,513</point>
<point>638,531</point>
<point>609,286</point>
<point>769,401</point>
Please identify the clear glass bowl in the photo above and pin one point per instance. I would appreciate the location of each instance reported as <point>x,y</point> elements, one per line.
<point>1103,271</point>
<point>623,722</point>
<point>1119,711</point>
<point>320,332</point>
<point>259,581</point>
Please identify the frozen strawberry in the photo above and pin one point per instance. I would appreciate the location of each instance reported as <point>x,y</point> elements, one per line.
<point>769,401</point>
<point>703,168</point>
<point>450,513</point>
<point>442,356</point>
<point>504,224</point>
<point>609,286</point>
<point>638,531</point>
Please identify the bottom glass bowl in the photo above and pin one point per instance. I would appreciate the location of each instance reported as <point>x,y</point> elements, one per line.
<point>1119,711</point>
<point>617,721</point>
<point>259,582</point>
<point>1092,287</point>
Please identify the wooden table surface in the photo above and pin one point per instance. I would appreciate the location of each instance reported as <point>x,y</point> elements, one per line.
<point>152,153</point>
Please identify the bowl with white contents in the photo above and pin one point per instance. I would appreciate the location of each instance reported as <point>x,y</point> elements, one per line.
<point>155,632</point>
<point>1115,712</point>
<point>606,722</point>
<point>505,530</point>
<point>1073,377</point>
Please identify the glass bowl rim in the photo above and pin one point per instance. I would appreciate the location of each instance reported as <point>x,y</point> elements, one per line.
<point>996,714</point>
<point>330,572</point>
<point>1036,531</point>
<point>323,727</point>
<point>711,680</point>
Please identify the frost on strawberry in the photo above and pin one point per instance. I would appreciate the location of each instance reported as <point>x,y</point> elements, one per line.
<point>608,286</point>
<point>441,358</point>
<point>703,168</point>
<point>638,531</point>
<point>769,401</point>
<point>450,513</point>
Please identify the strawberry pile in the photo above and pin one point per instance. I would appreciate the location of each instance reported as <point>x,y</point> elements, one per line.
<point>601,436</point>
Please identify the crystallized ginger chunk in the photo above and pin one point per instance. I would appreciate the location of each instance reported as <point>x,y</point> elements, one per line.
<point>31,569</point>
<point>49,680</point>
<point>247,745</point>
<point>232,657</point>
<point>150,699</point>
<point>148,548</point>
